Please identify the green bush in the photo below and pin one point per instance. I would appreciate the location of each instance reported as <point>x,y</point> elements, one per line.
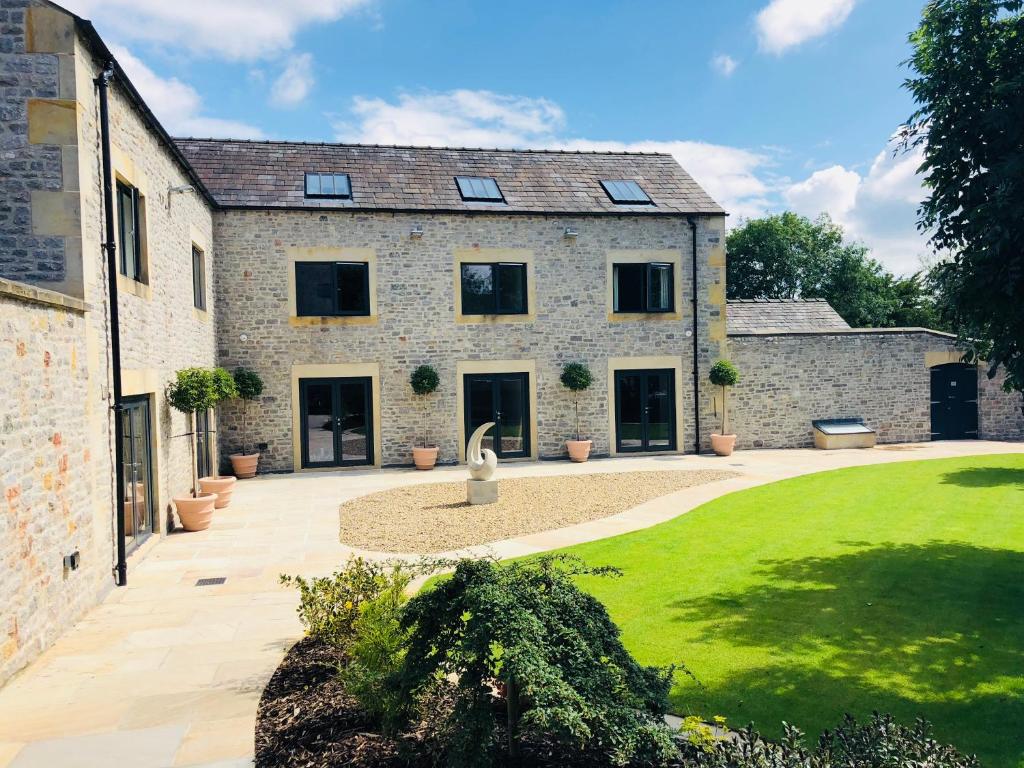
<point>424,380</point>
<point>249,386</point>
<point>192,390</point>
<point>577,378</point>
<point>224,386</point>
<point>724,374</point>
<point>553,652</point>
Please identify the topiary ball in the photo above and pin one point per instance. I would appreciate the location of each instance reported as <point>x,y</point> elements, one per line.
<point>424,380</point>
<point>724,374</point>
<point>576,376</point>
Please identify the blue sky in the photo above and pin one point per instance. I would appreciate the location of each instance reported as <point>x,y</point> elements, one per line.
<point>770,104</point>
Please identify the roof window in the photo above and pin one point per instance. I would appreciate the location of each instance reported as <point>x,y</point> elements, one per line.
<point>334,185</point>
<point>479,189</point>
<point>623,192</point>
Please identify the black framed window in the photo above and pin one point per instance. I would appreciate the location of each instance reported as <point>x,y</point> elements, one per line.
<point>129,231</point>
<point>198,278</point>
<point>336,185</point>
<point>479,189</point>
<point>643,287</point>
<point>625,192</point>
<point>329,288</point>
<point>494,289</point>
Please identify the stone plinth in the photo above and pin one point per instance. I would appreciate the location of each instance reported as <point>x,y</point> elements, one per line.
<point>481,491</point>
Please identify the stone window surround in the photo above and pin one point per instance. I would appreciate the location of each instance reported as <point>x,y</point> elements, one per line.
<point>126,172</point>
<point>673,362</point>
<point>495,256</point>
<point>366,256</point>
<point>664,256</point>
<point>334,371</point>
<point>196,240</point>
<point>462,367</point>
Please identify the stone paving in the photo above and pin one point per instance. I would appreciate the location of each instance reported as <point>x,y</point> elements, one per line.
<point>167,673</point>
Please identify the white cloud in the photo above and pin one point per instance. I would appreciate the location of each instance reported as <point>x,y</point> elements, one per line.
<point>724,64</point>
<point>294,83</point>
<point>783,24</point>
<point>232,29</point>
<point>832,189</point>
<point>177,105</point>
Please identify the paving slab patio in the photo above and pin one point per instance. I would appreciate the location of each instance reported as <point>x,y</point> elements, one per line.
<point>166,673</point>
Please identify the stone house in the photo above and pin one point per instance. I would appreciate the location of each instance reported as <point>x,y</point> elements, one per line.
<point>335,270</point>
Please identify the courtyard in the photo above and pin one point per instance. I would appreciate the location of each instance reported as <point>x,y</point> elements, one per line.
<point>165,672</point>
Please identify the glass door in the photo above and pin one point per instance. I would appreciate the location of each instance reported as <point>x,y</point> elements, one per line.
<point>336,422</point>
<point>204,445</point>
<point>137,494</point>
<point>504,399</point>
<point>645,411</point>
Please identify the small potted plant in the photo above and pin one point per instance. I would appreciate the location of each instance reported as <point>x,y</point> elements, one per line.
<point>224,389</point>
<point>192,391</point>
<point>577,378</point>
<point>723,374</point>
<point>424,381</point>
<point>249,386</point>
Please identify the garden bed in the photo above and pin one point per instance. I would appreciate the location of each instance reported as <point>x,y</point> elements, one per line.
<point>435,517</point>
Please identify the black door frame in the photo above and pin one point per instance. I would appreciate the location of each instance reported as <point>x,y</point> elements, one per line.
<point>128,405</point>
<point>495,381</point>
<point>204,447</point>
<point>951,416</point>
<point>645,438</point>
<point>339,458</point>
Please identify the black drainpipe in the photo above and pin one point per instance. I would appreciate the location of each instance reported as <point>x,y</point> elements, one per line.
<point>696,364</point>
<point>110,246</point>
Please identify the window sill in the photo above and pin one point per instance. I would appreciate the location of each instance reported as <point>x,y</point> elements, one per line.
<point>629,317</point>
<point>201,314</point>
<point>134,287</point>
<point>494,319</point>
<point>311,322</point>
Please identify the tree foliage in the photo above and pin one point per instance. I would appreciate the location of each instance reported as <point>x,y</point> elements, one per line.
<point>789,256</point>
<point>968,83</point>
<point>192,390</point>
<point>248,383</point>
<point>576,377</point>
<point>424,380</point>
<point>224,386</point>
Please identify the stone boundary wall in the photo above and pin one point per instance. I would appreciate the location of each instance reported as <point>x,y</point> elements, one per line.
<point>881,375</point>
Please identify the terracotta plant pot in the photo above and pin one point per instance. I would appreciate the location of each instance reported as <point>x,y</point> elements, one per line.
<point>424,458</point>
<point>196,513</point>
<point>579,450</point>
<point>222,486</point>
<point>723,444</point>
<point>244,464</point>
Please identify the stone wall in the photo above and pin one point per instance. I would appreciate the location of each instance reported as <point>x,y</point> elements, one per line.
<point>879,375</point>
<point>416,320</point>
<point>47,475</point>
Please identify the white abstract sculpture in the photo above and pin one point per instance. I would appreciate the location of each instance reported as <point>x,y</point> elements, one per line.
<point>482,462</point>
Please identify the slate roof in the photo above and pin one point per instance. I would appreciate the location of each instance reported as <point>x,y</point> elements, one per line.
<point>270,174</point>
<point>782,316</point>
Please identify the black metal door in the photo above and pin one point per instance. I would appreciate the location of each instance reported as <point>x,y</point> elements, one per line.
<point>204,445</point>
<point>504,399</point>
<point>137,494</point>
<point>645,410</point>
<point>336,421</point>
<point>954,402</point>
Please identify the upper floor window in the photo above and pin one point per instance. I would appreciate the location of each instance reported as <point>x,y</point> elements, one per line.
<point>198,278</point>
<point>129,231</point>
<point>642,287</point>
<point>479,189</point>
<point>332,288</point>
<point>493,289</point>
<point>336,185</point>
<point>624,192</point>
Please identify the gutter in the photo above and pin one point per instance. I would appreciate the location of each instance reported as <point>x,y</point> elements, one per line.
<point>109,245</point>
<point>696,361</point>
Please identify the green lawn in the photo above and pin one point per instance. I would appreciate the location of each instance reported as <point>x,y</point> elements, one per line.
<point>897,587</point>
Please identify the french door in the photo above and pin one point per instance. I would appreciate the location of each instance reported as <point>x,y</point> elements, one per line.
<point>504,399</point>
<point>336,421</point>
<point>137,494</point>
<point>645,410</point>
<point>204,444</point>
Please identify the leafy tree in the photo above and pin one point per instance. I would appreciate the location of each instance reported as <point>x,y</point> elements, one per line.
<point>527,629</point>
<point>968,83</point>
<point>192,390</point>
<point>424,381</point>
<point>724,374</point>
<point>249,386</point>
<point>576,377</point>
<point>789,256</point>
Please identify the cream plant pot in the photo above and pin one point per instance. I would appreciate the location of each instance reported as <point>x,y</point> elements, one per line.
<point>244,464</point>
<point>222,486</point>
<point>424,458</point>
<point>196,514</point>
<point>579,450</point>
<point>723,445</point>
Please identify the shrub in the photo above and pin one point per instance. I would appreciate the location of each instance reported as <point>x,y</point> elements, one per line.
<point>577,378</point>
<point>724,374</point>
<point>528,630</point>
<point>424,381</point>
<point>249,386</point>
<point>224,386</point>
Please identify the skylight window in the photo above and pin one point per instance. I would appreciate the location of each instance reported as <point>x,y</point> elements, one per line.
<point>624,192</point>
<point>336,185</point>
<point>479,189</point>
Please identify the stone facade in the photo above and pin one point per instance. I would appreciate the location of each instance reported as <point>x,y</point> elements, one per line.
<point>882,376</point>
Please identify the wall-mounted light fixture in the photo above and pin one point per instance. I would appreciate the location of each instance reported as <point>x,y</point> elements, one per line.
<point>180,189</point>
<point>416,233</point>
<point>571,233</point>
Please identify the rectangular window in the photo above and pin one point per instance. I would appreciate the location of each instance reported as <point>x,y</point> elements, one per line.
<point>494,289</point>
<point>327,288</point>
<point>623,192</point>
<point>643,288</point>
<point>198,278</point>
<point>479,189</point>
<point>129,231</point>
<point>336,185</point>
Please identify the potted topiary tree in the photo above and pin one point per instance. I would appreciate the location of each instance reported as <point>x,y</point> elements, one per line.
<point>424,381</point>
<point>191,391</point>
<point>249,386</point>
<point>577,378</point>
<point>723,374</point>
<point>224,388</point>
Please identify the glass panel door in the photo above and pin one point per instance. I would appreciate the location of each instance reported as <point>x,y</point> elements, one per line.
<point>137,494</point>
<point>504,399</point>
<point>318,449</point>
<point>645,410</point>
<point>480,408</point>
<point>204,446</point>
<point>354,403</point>
<point>336,421</point>
<point>512,422</point>
<point>661,428</point>
<point>629,413</point>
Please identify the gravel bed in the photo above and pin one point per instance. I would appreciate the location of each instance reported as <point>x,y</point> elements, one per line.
<point>435,517</point>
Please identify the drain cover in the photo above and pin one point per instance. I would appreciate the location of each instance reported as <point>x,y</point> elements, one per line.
<point>211,582</point>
